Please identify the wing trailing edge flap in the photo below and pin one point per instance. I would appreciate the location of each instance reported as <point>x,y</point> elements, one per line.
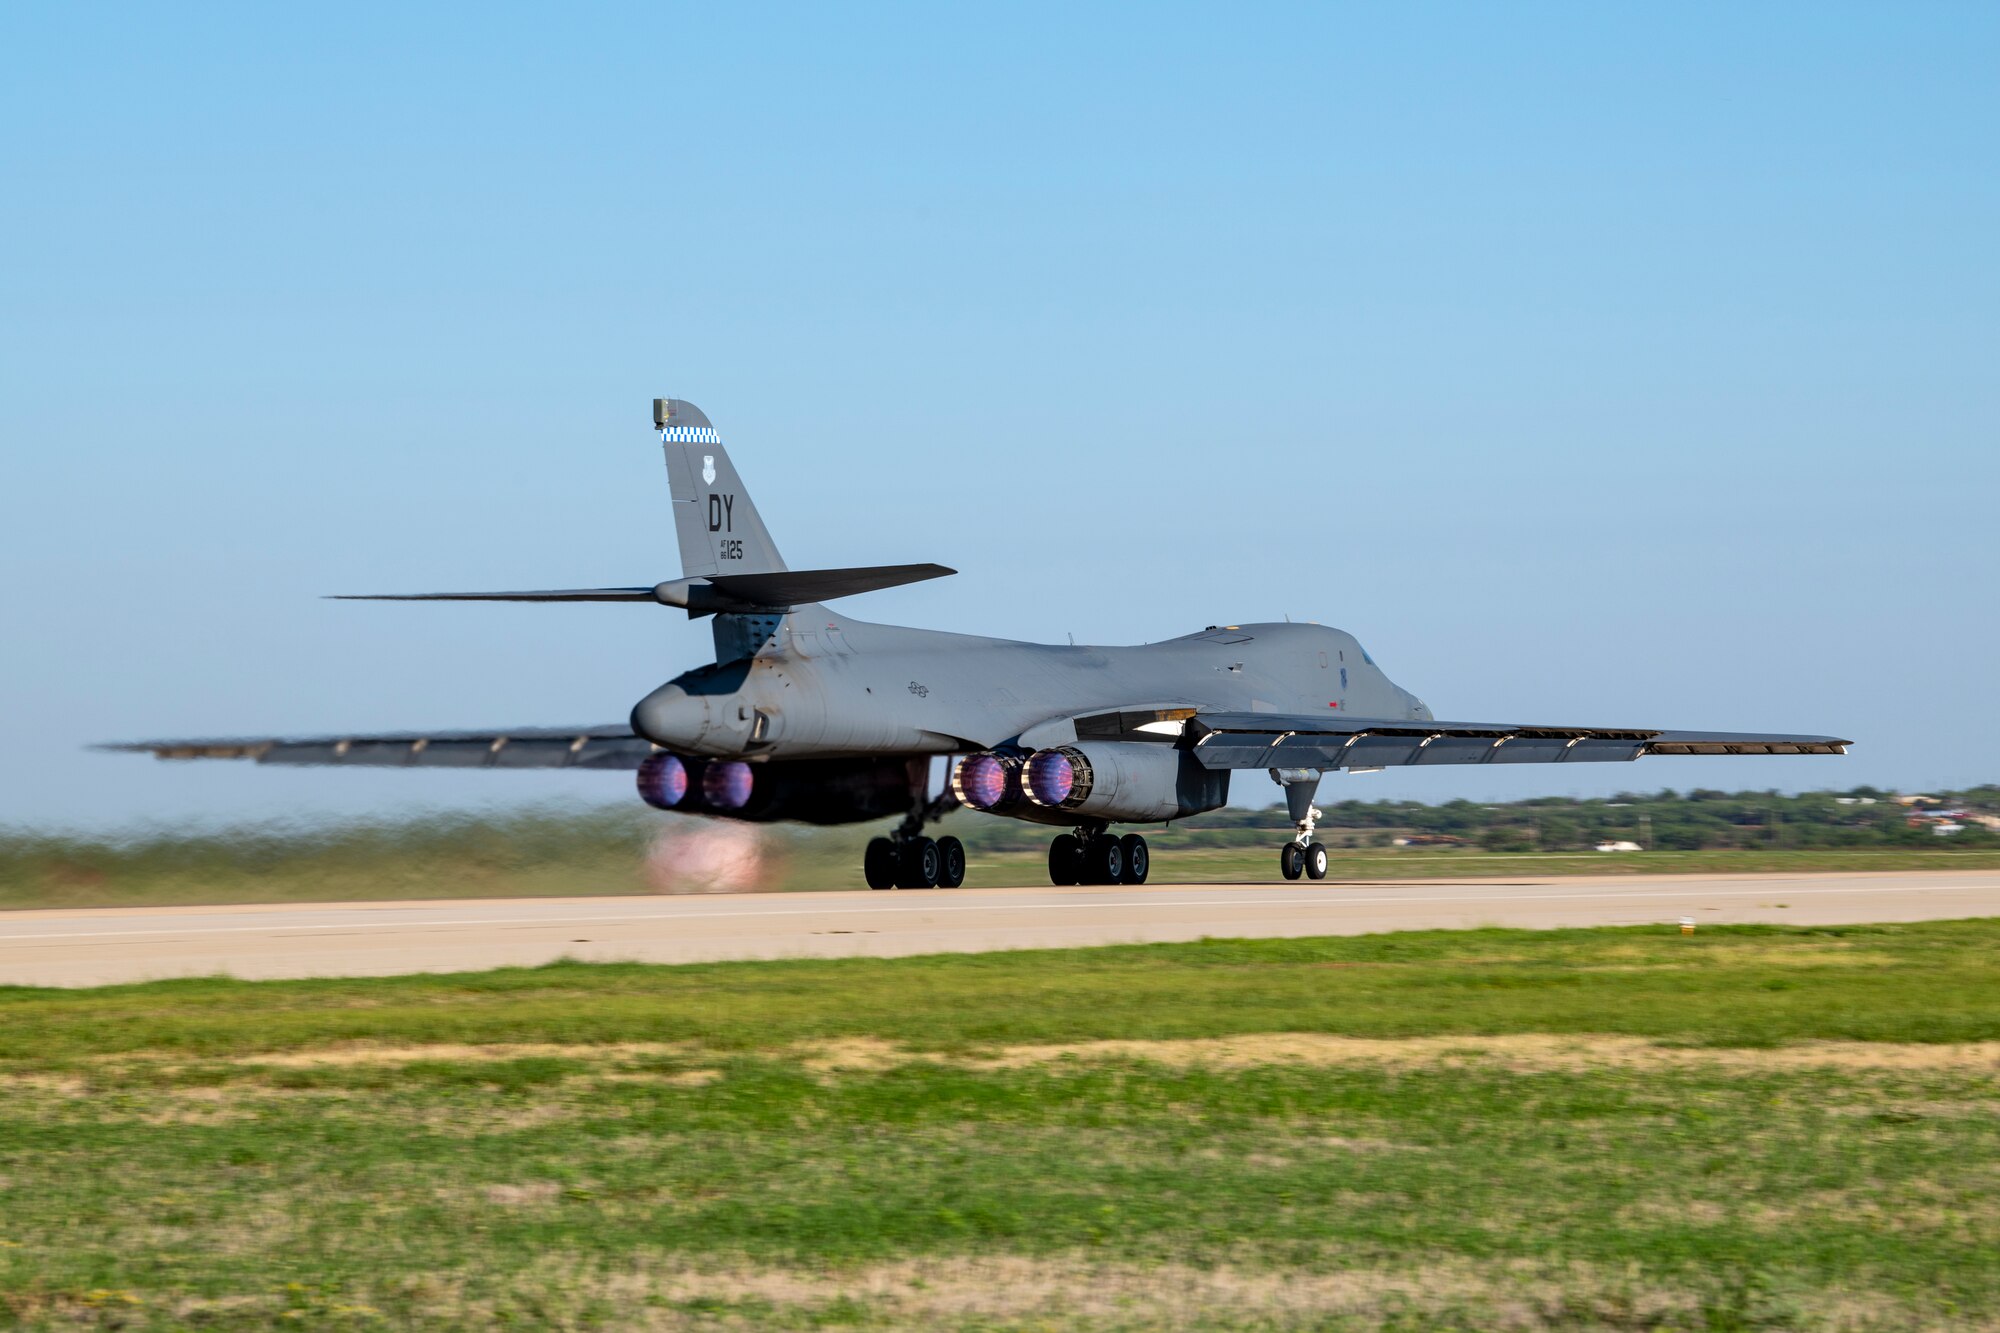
<point>606,747</point>
<point>1263,740</point>
<point>715,594</point>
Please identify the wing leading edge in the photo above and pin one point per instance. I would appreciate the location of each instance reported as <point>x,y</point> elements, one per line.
<point>1267,740</point>
<point>606,747</point>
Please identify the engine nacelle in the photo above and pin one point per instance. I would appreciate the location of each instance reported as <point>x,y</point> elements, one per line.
<point>1133,782</point>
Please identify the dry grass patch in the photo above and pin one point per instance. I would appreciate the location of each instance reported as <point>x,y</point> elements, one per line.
<point>1077,1291</point>
<point>1521,1051</point>
<point>528,1195</point>
<point>368,1054</point>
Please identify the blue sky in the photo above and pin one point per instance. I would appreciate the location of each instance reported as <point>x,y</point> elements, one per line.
<point>1591,363</point>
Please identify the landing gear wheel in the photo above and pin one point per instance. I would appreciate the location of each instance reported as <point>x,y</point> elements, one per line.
<point>878,864</point>
<point>1137,859</point>
<point>1316,861</point>
<point>918,866</point>
<point>1066,859</point>
<point>1104,860</point>
<point>951,863</point>
<point>1292,860</point>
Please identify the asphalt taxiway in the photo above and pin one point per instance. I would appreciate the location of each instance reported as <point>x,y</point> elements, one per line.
<point>103,946</point>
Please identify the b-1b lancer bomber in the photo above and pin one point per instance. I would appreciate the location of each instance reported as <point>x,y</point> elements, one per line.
<point>809,715</point>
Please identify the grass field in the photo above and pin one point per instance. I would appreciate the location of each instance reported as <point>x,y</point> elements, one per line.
<point>616,851</point>
<point>1750,1127</point>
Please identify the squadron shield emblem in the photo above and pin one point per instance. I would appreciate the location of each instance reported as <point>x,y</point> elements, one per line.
<point>708,469</point>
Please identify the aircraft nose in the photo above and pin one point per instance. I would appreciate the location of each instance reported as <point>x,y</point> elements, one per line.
<point>672,717</point>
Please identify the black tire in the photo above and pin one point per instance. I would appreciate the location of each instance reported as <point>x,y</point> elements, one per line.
<point>878,864</point>
<point>1316,861</point>
<point>1138,859</point>
<point>1292,861</point>
<point>1104,860</point>
<point>919,868</point>
<point>951,863</point>
<point>1066,859</point>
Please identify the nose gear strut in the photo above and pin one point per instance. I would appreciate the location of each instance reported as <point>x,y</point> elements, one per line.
<point>1304,854</point>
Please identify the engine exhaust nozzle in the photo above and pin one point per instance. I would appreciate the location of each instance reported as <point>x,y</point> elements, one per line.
<point>1057,778</point>
<point>663,781</point>
<point>727,785</point>
<point>987,781</point>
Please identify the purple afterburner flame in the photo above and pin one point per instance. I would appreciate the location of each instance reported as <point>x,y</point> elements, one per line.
<point>663,781</point>
<point>1050,777</point>
<point>726,786</point>
<point>982,781</point>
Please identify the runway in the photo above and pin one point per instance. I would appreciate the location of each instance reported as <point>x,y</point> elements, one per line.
<point>103,946</point>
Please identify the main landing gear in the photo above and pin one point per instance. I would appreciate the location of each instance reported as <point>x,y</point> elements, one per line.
<point>1093,856</point>
<point>906,859</point>
<point>914,863</point>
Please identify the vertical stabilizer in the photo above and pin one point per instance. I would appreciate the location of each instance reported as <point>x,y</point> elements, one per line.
<point>719,529</point>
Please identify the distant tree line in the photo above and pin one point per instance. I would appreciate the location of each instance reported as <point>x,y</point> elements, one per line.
<point>1665,820</point>
<point>35,863</point>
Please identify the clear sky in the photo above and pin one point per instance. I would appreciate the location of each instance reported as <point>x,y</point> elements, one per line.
<point>1595,363</point>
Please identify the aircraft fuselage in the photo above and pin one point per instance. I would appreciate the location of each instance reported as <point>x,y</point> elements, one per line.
<point>825,686</point>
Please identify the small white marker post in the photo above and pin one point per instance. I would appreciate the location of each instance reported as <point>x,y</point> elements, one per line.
<point>1687,925</point>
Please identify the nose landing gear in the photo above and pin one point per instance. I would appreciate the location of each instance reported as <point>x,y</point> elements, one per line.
<point>1308,859</point>
<point>1304,854</point>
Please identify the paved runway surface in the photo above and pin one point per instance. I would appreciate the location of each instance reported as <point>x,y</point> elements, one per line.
<point>83,948</point>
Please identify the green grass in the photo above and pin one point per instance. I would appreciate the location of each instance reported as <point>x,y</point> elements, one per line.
<point>865,1142</point>
<point>1739,985</point>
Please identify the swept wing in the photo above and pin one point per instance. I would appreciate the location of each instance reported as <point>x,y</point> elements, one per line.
<point>612,747</point>
<point>1270,740</point>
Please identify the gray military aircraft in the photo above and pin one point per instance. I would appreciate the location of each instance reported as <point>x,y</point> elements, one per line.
<point>808,715</point>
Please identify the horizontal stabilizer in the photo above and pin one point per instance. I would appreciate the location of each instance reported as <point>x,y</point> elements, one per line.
<point>796,586</point>
<point>549,595</point>
<point>715,593</point>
